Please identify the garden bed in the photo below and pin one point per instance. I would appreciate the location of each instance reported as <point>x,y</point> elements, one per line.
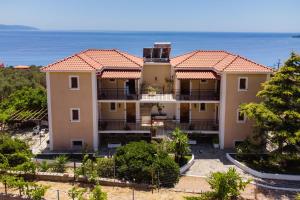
<point>265,164</point>
<point>72,157</point>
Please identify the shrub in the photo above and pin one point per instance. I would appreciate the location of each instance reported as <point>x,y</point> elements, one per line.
<point>17,159</point>
<point>76,193</point>
<point>3,162</point>
<point>225,185</point>
<point>27,167</point>
<point>105,167</point>
<point>140,162</point>
<point>9,145</point>
<point>44,166</point>
<point>59,163</point>
<point>97,194</point>
<point>298,196</point>
<point>36,192</point>
<point>168,171</point>
<point>134,161</point>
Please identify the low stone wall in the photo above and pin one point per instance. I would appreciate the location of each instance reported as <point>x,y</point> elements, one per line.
<point>65,177</point>
<point>185,167</point>
<point>262,174</point>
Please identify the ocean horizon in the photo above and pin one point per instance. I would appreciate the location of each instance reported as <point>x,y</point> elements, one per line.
<point>44,47</point>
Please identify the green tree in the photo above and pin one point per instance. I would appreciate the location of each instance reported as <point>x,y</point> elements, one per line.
<point>12,80</point>
<point>140,162</point>
<point>24,98</point>
<point>180,145</point>
<point>277,117</point>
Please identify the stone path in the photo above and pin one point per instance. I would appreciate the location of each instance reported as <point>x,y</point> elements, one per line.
<point>208,160</point>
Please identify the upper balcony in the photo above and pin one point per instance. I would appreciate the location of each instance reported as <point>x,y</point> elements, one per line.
<point>125,94</point>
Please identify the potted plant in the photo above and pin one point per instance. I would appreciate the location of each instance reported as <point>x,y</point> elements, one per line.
<point>151,91</point>
<point>153,130</point>
<point>216,142</point>
<point>159,108</point>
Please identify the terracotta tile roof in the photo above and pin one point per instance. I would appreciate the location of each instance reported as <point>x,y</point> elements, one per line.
<point>218,60</point>
<point>196,75</point>
<point>94,59</point>
<point>121,74</point>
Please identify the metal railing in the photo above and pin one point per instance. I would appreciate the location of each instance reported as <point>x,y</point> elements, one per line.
<point>120,125</point>
<point>161,94</point>
<point>117,93</point>
<point>197,95</point>
<point>168,124</point>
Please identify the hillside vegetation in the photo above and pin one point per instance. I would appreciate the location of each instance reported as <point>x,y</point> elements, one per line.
<point>21,89</point>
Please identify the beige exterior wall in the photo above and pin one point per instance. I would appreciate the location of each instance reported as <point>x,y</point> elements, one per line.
<point>239,131</point>
<point>105,113</point>
<point>160,72</point>
<point>208,114</point>
<point>209,85</point>
<point>62,100</point>
<point>107,84</point>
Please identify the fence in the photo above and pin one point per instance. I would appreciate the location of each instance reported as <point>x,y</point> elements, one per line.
<point>156,180</point>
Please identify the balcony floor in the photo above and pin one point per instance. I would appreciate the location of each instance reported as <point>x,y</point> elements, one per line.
<point>158,97</point>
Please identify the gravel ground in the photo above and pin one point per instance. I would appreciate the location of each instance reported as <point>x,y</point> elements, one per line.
<point>186,183</point>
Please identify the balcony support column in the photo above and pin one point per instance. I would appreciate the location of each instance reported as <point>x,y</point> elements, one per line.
<point>190,113</point>
<point>137,112</point>
<point>125,112</point>
<point>177,112</point>
<point>191,87</point>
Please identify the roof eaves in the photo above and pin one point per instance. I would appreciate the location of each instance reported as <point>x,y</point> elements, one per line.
<point>59,61</point>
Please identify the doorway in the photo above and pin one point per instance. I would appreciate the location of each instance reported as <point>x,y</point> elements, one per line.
<point>184,113</point>
<point>130,87</point>
<point>130,113</point>
<point>184,87</point>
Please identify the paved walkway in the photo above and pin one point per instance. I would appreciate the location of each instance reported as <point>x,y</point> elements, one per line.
<point>208,160</point>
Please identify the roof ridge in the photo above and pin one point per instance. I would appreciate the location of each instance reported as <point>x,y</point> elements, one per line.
<point>236,56</point>
<point>79,56</point>
<point>183,54</point>
<point>222,59</point>
<point>121,53</point>
<point>84,53</point>
<point>192,54</point>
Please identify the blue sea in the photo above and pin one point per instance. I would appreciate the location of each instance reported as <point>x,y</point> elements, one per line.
<point>44,47</point>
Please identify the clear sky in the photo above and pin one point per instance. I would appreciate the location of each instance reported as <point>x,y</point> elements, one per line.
<point>155,15</point>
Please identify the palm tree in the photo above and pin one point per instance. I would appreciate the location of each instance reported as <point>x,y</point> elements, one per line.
<point>180,144</point>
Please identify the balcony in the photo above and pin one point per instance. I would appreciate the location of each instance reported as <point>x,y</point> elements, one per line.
<point>193,95</point>
<point>166,125</point>
<point>161,95</point>
<point>116,94</point>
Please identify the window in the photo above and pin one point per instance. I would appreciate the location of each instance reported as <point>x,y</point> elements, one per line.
<point>203,81</point>
<point>77,144</point>
<point>75,115</point>
<point>112,107</point>
<point>241,118</point>
<point>243,83</point>
<point>74,82</point>
<point>202,107</point>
